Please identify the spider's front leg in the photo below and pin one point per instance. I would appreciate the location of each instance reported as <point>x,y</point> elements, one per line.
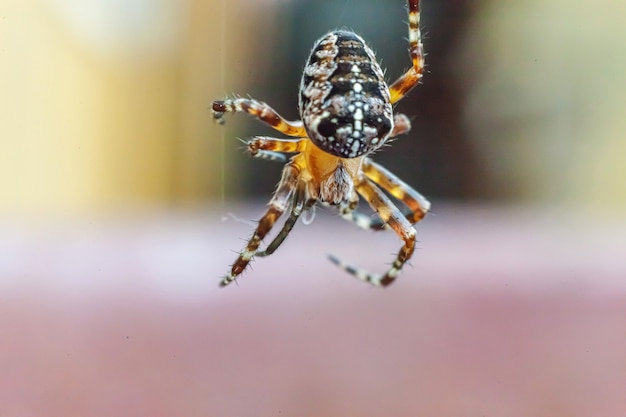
<point>261,111</point>
<point>277,206</point>
<point>394,218</point>
<point>406,82</point>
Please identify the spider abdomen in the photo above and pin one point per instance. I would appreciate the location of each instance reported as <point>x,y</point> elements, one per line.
<point>344,100</point>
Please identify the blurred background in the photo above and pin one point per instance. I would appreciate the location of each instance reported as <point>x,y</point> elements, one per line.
<point>105,105</point>
<point>116,189</point>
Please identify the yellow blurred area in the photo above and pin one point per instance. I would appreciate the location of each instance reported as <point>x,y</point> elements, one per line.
<point>105,105</point>
<point>546,104</point>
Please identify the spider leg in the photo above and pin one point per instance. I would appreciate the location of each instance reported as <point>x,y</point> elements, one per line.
<point>261,111</point>
<point>264,143</point>
<point>417,205</point>
<point>273,149</point>
<point>371,222</point>
<point>277,207</point>
<point>392,216</point>
<point>297,207</point>
<point>349,212</point>
<point>416,50</point>
<point>271,156</point>
<point>363,220</point>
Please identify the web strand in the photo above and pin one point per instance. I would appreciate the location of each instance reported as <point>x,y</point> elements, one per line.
<point>222,150</point>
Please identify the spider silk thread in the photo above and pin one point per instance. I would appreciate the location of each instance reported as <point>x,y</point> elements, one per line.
<point>222,150</point>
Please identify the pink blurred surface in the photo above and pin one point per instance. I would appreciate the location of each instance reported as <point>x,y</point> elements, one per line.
<point>503,313</point>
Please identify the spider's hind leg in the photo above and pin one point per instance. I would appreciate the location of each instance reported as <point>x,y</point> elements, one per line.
<point>277,206</point>
<point>394,218</point>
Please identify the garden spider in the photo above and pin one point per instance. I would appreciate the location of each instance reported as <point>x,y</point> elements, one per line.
<point>347,113</point>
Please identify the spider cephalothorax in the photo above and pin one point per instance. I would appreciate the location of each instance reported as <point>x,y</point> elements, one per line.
<point>346,109</point>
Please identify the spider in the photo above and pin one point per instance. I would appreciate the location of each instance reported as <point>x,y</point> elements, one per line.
<point>346,110</point>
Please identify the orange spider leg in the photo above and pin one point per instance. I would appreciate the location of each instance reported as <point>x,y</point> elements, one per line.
<point>406,82</point>
<point>417,203</point>
<point>273,149</point>
<point>267,144</point>
<point>298,206</point>
<point>391,216</point>
<point>349,212</point>
<point>277,206</point>
<point>261,111</point>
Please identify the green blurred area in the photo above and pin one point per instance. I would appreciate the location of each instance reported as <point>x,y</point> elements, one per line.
<point>104,106</point>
